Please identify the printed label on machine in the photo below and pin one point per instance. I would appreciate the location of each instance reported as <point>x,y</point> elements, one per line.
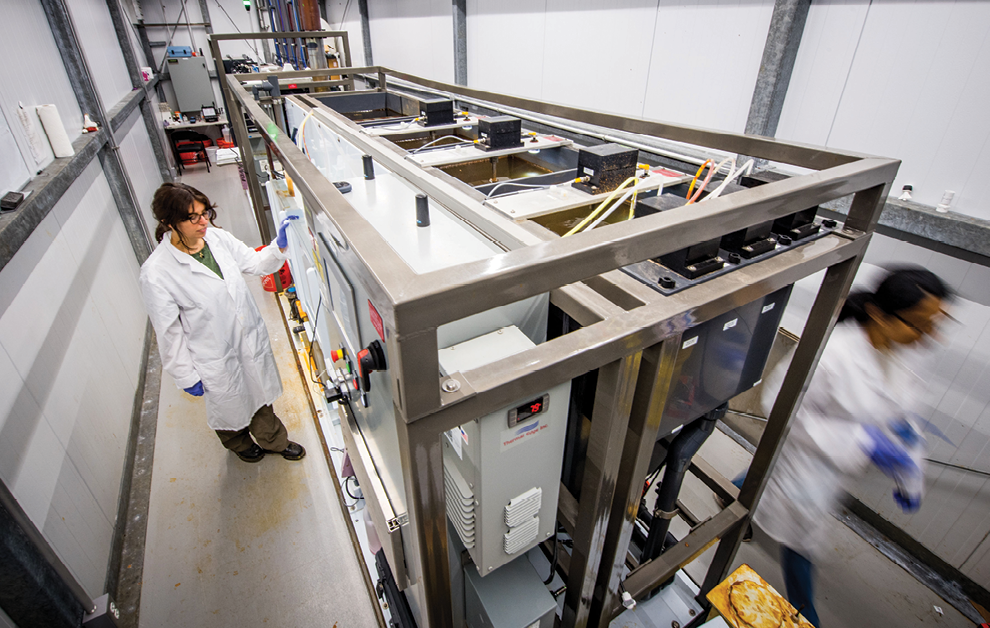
<point>767,308</point>
<point>521,433</point>
<point>690,342</point>
<point>458,438</point>
<point>376,320</point>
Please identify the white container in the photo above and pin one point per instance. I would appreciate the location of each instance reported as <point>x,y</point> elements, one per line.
<point>211,152</point>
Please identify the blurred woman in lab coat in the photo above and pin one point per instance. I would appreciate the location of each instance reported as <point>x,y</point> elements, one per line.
<point>211,336</point>
<point>858,410</point>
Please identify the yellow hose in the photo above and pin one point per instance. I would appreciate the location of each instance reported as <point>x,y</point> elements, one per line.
<point>599,209</point>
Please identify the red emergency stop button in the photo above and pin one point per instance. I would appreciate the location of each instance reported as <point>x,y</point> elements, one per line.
<point>337,355</point>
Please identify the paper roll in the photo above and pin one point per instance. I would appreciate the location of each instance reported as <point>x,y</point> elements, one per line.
<point>35,140</point>
<point>57,136</point>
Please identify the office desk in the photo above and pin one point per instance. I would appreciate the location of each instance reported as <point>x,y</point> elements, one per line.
<point>209,129</point>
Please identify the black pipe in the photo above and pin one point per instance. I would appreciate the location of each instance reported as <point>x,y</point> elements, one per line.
<point>682,448</point>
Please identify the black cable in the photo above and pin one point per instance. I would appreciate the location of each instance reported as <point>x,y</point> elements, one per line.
<point>347,488</point>
<point>553,563</point>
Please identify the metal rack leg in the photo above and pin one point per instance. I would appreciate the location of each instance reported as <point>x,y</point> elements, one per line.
<point>652,386</point>
<point>422,465</point>
<point>610,418</point>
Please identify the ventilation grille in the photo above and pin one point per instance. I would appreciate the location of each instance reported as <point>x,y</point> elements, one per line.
<point>519,538</point>
<point>460,505</point>
<point>522,520</point>
<point>522,507</point>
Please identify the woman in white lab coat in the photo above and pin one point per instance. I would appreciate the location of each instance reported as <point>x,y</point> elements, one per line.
<point>211,336</point>
<point>858,410</point>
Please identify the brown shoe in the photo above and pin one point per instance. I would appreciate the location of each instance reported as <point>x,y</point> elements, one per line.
<point>294,451</point>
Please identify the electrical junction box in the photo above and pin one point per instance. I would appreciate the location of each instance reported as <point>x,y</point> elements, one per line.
<point>512,597</point>
<point>500,132</point>
<point>502,471</point>
<point>191,81</point>
<point>606,165</point>
<point>178,51</point>
<point>436,111</point>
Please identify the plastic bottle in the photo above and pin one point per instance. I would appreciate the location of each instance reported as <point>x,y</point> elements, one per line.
<point>226,134</point>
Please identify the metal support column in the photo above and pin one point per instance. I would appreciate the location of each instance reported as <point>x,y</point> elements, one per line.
<point>235,116</point>
<point>460,41</point>
<point>609,420</point>
<point>89,102</point>
<point>652,386</point>
<point>422,461</point>
<point>365,34</point>
<point>150,116</point>
<point>779,53</point>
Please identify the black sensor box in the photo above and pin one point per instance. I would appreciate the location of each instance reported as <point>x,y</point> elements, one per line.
<point>436,111</point>
<point>691,262</point>
<point>500,132</point>
<point>798,225</point>
<point>606,166</point>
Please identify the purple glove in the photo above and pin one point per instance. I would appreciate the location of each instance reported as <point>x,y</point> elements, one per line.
<point>890,458</point>
<point>908,504</point>
<point>282,240</point>
<point>196,390</point>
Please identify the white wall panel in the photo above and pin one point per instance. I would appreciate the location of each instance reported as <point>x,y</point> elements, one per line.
<point>100,46</point>
<point>705,61</point>
<point>686,62</point>
<point>496,65</point>
<point>820,70</point>
<point>414,36</point>
<point>977,566</point>
<point>71,301</point>
<point>346,16</point>
<point>13,168</point>
<point>597,56</point>
<point>33,74</point>
<point>141,166</point>
<point>904,80</point>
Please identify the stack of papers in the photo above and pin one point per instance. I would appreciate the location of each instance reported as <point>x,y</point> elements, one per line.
<point>228,156</point>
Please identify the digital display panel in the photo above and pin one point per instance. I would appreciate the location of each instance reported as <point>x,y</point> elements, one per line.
<point>527,410</point>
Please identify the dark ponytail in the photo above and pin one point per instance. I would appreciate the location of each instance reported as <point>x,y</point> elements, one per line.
<point>900,290</point>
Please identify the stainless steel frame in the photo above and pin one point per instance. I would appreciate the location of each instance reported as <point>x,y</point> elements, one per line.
<point>631,333</point>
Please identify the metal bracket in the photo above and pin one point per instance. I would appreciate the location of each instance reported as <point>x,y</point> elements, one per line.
<point>396,522</point>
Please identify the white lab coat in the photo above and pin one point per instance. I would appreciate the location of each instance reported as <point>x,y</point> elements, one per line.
<point>210,330</point>
<point>826,450</point>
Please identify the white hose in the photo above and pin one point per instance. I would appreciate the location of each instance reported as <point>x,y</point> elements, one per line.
<point>746,168</point>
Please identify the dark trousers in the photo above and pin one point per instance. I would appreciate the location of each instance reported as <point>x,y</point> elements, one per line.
<point>799,576</point>
<point>266,428</point>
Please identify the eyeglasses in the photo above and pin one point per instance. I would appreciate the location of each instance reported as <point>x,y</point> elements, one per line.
<point>194,218</point>
<point>927,326</point>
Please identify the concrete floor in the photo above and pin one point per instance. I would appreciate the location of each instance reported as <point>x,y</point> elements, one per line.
<point>237,544</point>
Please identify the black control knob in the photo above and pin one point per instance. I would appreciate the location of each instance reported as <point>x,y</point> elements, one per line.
<point>370,359</point>
<point>667,283</point>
